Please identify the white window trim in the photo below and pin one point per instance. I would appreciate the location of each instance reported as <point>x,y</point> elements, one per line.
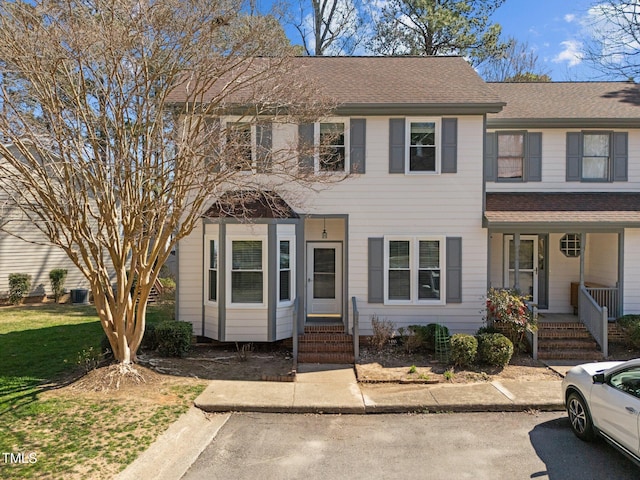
<point>414,268</point>
<point>316,145</point>
<point>407,144</point>
<point>292,269</point>
<point>229,270</point>
<point>254,139</point>
<point>207,262</point>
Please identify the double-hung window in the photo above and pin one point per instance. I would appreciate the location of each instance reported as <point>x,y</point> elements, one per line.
<point>595,156</point>
<point>212,270</point>
<point>414,269</point>
<point>247,272</point>
<point>332,152</point>
<point>240,141</point>
<point>511,156</point>
<point>422,144</point>
<point>285,270</point>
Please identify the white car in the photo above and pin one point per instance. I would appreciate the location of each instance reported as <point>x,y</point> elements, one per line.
<point>604,399</point>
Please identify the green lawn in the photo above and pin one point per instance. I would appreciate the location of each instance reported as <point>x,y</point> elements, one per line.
<point>70,434</point>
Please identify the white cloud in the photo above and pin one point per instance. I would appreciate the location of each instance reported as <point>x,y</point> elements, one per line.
<point>572,53</point>
<point>569,17</point>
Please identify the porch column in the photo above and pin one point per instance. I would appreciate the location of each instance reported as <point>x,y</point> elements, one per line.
<point>516,261</point>
<point>583,244</point>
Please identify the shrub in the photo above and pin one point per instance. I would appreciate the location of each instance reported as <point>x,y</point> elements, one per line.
<point>507,308</point>
<point>382,332</point>
<point>149,338</point>
<point>494,349</point>
<point>464,348</point>
<point>487,329</point>
<point>19,287</point>
<point>427,334</point>
<point>174,338</point>
<point>57,276</point>
<point>630,325</point>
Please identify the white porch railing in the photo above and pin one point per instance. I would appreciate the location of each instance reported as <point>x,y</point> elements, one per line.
<point>606,297</point>
<point>356,330</point>
<point>595,318</point>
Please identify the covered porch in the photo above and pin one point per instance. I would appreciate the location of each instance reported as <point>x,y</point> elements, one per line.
<point>565,251</point>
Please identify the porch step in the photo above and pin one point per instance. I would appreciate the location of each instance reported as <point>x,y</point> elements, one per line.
<point>566,341</point>
<point>325,344</point>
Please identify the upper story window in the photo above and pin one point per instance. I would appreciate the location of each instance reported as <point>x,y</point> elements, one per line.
<point>511,156</point>
<point>240,142</point>
<point>595,156</point>
<point>332,151</point>
<point>422,155</point>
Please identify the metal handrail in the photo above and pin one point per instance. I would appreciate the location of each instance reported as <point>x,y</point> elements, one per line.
<point>356,329</point>
<point>294,332</point>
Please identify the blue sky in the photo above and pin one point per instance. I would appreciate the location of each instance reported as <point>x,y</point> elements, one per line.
<point>554,29</point>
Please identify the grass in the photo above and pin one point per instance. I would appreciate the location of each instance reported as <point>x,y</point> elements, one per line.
<point>70,434</point>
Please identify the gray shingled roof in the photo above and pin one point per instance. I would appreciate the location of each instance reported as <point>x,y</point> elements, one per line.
<point>560,104</point>
<point>406,84</point>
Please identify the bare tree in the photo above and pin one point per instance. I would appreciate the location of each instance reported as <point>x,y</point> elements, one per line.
<point>108,105</point>
<point>614,47</point>
<point>328,27</point>
<point>518,63</point>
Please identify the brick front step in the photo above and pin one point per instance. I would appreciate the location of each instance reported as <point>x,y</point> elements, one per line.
<point>560,325</point>
<point>567,344</point>
<point>325,338</point>
<point>316,357</point>
<point>569,355</point>
<point>555,333</point>
<point>325,347</point>
<point>338,328</point>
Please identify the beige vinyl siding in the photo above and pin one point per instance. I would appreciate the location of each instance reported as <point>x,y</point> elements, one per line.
<point>554,161</point>
<point>190,283</point>
<point>631,270</point>
<point>36,259</point>
<point>379,203</point>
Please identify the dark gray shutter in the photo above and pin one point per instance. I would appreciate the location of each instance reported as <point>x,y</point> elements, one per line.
<point>534,157</point>
<point>396,145</point>
<point>454,270</point>
<point>620,156</point>
<point>357,147</point>
<point>491,157</point>
<point>376,270</point>
<point>305,147</point>
<point>449,145</point>
<point>264,140</point>
<point>574,156</point>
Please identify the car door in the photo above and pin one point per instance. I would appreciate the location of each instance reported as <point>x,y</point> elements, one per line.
<point>615,407</point>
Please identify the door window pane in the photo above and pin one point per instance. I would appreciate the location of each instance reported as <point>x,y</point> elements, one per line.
<point>526,255</point>
<point>324,273</point>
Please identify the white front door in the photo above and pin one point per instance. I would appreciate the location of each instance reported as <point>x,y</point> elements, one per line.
<point>527,268</point>
<point>324,279</point>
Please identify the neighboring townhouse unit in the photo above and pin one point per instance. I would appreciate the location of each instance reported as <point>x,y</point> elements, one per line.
<point>454,186</point>
<point>402,235</point>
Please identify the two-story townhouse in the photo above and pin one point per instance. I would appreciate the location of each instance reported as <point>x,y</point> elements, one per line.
<point>562,179</point>
<point>402,235</point>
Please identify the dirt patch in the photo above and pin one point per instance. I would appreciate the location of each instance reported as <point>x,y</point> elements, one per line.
<point>394,365</point>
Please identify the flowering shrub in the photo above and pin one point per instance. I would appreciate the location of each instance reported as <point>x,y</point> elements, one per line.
<point>509,309</point>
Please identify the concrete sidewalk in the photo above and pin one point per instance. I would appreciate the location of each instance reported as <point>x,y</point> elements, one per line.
<point>328,389</point>
<point>334,389</point>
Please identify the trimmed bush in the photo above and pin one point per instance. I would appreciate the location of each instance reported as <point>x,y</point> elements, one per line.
<point>494,349</point>
<point>19,287</point>
<point>57,276</point>
<point>464,348</point>
<point>174,338</point>
<point>630,325</point>
<point>149,338</point>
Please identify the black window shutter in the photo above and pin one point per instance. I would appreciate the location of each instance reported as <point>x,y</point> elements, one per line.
<point>396,145</point>
<point>534,157</point>
<point>264,141</point>
<point>574,156</point>
<point>376,270</point>
<point>454,270</point>
<point>305,147</point>
<point>357,149</point>
<point>620,156</point>
<point>449,145</point>
<point>491,157</point>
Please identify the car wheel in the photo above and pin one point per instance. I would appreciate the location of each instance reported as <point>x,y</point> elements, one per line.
<point>579,417</point>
